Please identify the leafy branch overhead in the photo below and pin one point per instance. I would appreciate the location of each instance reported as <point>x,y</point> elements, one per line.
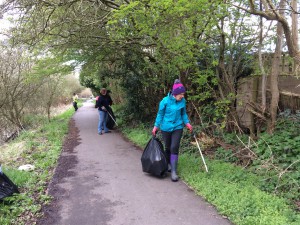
<point>230,55</point>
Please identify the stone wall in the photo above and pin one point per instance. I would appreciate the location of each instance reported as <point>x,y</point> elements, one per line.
<point>289,87</point>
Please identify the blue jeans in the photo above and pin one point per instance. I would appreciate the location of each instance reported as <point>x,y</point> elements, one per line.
<point>102,121</point>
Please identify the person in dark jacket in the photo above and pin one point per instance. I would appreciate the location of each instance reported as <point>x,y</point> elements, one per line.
<point>102,104</point>
<point>171,119</point>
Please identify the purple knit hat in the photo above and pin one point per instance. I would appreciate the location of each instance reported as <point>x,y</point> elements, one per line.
<point>178,87</point>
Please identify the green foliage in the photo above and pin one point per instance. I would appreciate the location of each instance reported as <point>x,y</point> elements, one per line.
<point>283,143</point>
<point>89,76</point>
<point>20,178</point>
<point>144,45</point>
<point>43,148</point>
<point>235,193</point>
<point>275,158</point>
<point>278,159</point>
<point>137,135</point>
<point>48,66</point>
<point>177,38</point>
<point>174,50</point>
<point>226,155</point>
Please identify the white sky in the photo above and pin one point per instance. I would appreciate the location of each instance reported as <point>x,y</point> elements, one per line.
<point>4,23</point>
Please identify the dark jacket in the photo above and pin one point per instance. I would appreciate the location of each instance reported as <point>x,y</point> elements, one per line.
<point>110,102</point>
<point>102,103</point>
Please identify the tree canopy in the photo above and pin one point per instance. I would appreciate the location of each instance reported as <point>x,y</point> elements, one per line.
<point>143,45</point>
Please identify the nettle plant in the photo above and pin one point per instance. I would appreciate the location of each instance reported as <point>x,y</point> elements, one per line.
<point>278,159</point>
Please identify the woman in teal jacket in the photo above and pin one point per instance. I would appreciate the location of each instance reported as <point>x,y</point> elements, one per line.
<point>171,119</point>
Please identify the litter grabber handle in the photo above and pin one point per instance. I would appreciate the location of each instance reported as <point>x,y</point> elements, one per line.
<point>111,116</point>
<point>194,135</point>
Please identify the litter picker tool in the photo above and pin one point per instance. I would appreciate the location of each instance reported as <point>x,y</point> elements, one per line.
<point>194,135</point>
<point>111,117</point>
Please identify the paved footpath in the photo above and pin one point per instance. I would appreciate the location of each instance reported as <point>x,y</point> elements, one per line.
<point>107,185</point>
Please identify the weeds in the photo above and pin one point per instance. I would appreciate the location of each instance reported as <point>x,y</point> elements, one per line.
<point>40,147</point>
<point>274,158</point>
<point>236,193</point>
<point>247,196</point>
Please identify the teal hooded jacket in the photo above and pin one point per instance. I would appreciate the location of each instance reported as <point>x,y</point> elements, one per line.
<point>171,114</point>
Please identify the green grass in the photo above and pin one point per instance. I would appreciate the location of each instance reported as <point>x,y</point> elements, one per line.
<point>40,147</point>
<point>138,135</point>
<point>275,158</point>
<point>234,191</point>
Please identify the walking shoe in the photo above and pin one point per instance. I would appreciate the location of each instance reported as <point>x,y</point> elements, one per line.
<point>174,176</point>
<point>108,131</point>
<point>174,161</point>
<point>100,133</point>
<point>169,167</point>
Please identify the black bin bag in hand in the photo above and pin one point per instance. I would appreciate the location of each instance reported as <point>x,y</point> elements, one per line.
<point>7,187</point>
<point>111,118</point>
<point>154,159</point>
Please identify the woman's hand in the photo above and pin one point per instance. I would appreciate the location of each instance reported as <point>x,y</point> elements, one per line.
<point>154,131</point>
<point>189,126</point>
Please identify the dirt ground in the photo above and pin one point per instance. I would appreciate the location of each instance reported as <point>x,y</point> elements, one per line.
<point>65,164</point>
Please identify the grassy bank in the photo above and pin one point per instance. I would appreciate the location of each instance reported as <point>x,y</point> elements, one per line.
<point>40,147</point>
<point>234,191</point>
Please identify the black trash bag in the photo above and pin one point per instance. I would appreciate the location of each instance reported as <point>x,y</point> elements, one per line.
<point>110,122</point>
<point>7,187</point>
<point>153,158</point>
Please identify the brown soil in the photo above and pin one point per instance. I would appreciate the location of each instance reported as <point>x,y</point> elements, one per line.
<point>65,163</point>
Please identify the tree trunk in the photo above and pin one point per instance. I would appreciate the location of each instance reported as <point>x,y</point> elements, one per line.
<point>275,70</point>
<point>295,35</point>
<point>270,13</point>
<point>254,100</point>
<point>261,67</point>
<point>224,76</point>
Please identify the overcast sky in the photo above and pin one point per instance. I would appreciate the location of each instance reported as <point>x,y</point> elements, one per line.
<point>4,23</point>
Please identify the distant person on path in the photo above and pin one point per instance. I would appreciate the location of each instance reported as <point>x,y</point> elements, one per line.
<point>102,104</point>
<point>75,100</point>
<point>171,118</point>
